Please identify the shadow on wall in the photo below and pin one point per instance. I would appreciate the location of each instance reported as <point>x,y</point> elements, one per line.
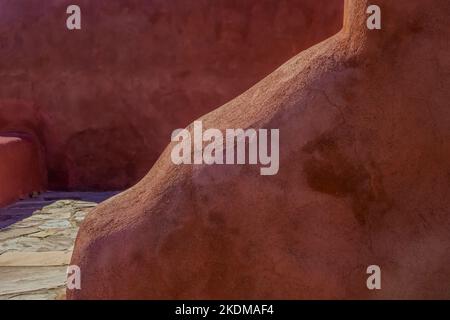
<point>105,99</point>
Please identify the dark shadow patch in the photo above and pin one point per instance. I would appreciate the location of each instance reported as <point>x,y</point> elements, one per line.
<point>415,26</point>
<point>352,62</point>
<point>105,158</point>
<point>329,171</point>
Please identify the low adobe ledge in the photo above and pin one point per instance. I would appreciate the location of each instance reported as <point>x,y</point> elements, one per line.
<point>22,169</point>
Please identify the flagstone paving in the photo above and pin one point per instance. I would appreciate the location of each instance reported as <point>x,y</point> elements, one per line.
<point>36,242</point>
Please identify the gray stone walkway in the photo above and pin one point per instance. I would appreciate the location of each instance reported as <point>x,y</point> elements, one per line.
<point>36,242</point>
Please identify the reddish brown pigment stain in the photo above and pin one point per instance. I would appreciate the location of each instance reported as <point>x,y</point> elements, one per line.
<point>329,171</point>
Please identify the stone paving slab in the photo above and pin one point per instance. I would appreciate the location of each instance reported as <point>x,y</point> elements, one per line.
<point>36,242</point>
<point>23,280</point>
<point>35,259</point>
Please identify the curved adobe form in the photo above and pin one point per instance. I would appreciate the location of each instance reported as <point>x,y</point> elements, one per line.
<point>364,179</point>
<point>21,167</point>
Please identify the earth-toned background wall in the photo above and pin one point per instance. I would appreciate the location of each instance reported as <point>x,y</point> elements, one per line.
<point>102,102</point>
